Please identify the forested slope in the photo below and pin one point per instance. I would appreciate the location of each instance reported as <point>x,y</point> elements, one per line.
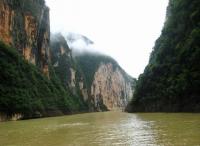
<point>171,80</point>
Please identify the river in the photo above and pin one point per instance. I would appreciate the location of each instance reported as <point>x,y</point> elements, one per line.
<point>105,129</point>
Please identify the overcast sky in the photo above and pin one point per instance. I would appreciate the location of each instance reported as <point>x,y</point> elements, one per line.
<point>123,29</point>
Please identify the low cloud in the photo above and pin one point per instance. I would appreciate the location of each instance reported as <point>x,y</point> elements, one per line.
<point>80,44</point>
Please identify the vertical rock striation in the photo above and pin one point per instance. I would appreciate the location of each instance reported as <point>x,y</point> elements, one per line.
<point>25,25</point>
<point>110,87</point>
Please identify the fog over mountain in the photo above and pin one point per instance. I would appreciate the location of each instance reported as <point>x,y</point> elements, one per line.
<point>124,30</point>
<point>80,44</point>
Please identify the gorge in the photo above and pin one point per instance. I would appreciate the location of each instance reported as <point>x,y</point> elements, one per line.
<point>56,92</point>
<point>39,75</point>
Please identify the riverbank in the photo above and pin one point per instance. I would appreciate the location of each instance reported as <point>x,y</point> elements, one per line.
<point>17,116</point>
<point>14,117</point>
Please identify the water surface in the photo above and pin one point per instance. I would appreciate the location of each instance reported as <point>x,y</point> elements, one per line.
<point>106,129</point>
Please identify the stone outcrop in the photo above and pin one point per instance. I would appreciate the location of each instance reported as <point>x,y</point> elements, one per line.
<point>13,117</point>
<point>25,25</point>
<point>72,78</point>
<point>84,90</point>
<point>110,87</point>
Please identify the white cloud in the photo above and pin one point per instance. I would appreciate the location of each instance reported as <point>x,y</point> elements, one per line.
<point>123,29</point>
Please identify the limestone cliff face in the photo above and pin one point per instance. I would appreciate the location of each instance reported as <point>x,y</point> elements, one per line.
<point>25,25</point>
<point>110,87</point>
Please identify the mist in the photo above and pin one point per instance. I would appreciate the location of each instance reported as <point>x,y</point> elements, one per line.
<point>125,30</point>
<point>80,44</point>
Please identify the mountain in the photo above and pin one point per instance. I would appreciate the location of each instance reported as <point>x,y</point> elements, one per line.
<point>109,86</point>
<point>41,77</point>
<point>102,83</point>
<point>171,80</point>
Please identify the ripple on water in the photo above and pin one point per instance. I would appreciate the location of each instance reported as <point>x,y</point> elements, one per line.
<point>66,125</point>
<point>104,129</point>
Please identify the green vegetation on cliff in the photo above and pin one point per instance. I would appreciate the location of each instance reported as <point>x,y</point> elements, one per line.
<point>24,89</point>
<point>171,80</point>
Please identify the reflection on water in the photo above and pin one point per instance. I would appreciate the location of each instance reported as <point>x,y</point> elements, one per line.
<point>108,128</point>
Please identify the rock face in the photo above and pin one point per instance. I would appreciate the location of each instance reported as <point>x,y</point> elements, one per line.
<point>83,90</point>
<point>66,68</point>
<point>25,25</point>
<point>110,87</point>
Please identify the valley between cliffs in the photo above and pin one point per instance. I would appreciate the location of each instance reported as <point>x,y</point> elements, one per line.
<point>40,76</point>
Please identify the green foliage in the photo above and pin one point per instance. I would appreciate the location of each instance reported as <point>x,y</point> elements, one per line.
<point>171,80</point>
<point>24,89</point>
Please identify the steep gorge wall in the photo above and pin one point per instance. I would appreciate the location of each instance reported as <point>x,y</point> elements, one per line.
<point>110,88</point>
<point>171,80</point>
<point>108,85</point>
<point>25,25</point>
<point>66,68</point>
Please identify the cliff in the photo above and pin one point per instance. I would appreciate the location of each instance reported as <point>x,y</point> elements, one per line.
<point>171,80</point>
<point>109,86</point>
<point>25,26</point>
<point>67,69</point>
